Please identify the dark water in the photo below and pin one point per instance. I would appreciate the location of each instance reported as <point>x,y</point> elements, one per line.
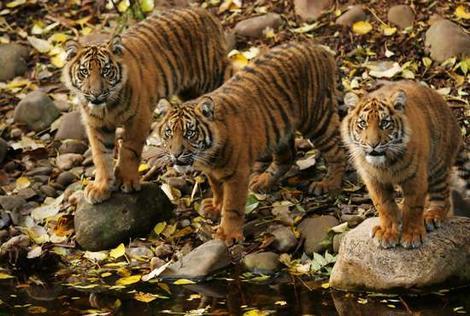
<point>223,297</point>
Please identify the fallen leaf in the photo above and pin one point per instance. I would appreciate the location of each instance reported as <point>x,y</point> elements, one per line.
<point>183,282</point>
<point>147,5</point>
<point>117,252</point>
<point>22,183</point>
<point>361,27</point>
<point>40,45</point>
<point>460,12</point>
<point>15,3</point>
<point>159,228</point>
<point>147,297</point>
<point>383,69</point>
<point>96,255</point>
<point>389,31</point>
<point>156,272</point>
<point>128,280</point>
<point>47,210</point>
<point>4,275</point>
<point>37,310</point>
<point>306,163</point>
<point>35,252</point>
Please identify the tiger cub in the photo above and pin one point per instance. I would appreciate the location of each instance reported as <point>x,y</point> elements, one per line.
<point>255,115</point>
<point>403,134</point>
<point>119,83</point>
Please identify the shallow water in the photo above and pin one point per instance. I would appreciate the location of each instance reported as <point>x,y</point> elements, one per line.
<point>283,296</point>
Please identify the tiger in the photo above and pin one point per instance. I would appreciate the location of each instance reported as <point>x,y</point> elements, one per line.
<point>119,82</point>
<point>403,134</point>
<point>252,118</point>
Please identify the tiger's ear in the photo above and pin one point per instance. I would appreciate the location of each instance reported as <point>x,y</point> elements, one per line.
<point>115,44</point>
<point>207,108</point>
<point>399,100</point>
<point>71,49</point>
<point>163,106</point>
<point>351,100</point>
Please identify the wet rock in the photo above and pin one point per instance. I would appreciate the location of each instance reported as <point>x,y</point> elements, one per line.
<point>353,15</point>
<point>71,127</point>
<point>445,39</point>
<point>66,178</point>
<point>401,15</point>
<point>39,171</point>
<point>28,193</point>
<point>73,146</point>
<point>201,262</point>
<point>5,219</point>
<point>36,110</point>
<point>262,262</point>
<point>309,10</point>
<point>284,239</point>
<point>254,27</point>
<point>12,60</point>
<point>40,178</point>
<point>445,255</point>
<point>105,225</point>
<point>12,202</point>
<point>315,230</point>
<point>337,241</point>
<point>68,161</point>
<point>49,191</point>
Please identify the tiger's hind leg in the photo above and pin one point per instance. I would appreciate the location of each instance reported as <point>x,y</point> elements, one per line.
<point>438,199</point>
<point>330,146</point>
<point>283,159</point>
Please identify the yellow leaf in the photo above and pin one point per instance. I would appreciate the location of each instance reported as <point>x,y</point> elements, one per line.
<point>143,167</point>
<point>123,5</point>
<point>58,37</point>
<point>361,27</point>
<point>460,12</point>
<point>238,60</point>
<point>22,183</point>
<point>159,228</point>
<point>40,45</point>
<point>4,275</point>
<point>427,62</point>
<point>117,252</point>
<point>106,274</point>
<point>183,282</point>
<point>59,60</point>
<point>169,230</point>
<point>147,5</point>
<point>281,303</point>
<point>128,280</point>
<point>86,31</point>
<point>38,28</point>
<point>147,297</point>
<point>165,287</point>
<point>389,31</point>
<point>255,312</point>
<point>15,3</point>
<point>325,285</point>
<point>37,310</point>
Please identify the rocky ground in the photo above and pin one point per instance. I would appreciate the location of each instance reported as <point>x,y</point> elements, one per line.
<point>45,161</point>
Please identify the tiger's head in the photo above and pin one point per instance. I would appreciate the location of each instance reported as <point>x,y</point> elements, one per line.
<point>376,127</point>
<point>188,132</point>
<point>94,72</point>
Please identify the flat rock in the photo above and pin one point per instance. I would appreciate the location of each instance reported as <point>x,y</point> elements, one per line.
<point>71,127</point>
<point>37,111</point>
<point>12,60</point>
<point>284,238</point>
<point>444,256</point>
<point>12,202</point>
<point>123,216</point>
<point>351,16</point>
<point>254,27</point>
<point>445,39</point>
<point>200,262</point>
<point>3,149</point>
<point>68,161</point>
<point>310,10</point>
<point>262,262</point>
<point>72,146</point>
<point>66,178</point>
<point>315,230</point>
<point>401,15</point>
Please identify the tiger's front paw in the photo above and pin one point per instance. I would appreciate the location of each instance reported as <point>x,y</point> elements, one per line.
<point>385,236</point>
<point>413,236</point>
<point>210,209</point>
<point>127,182</point>
<point>324,186</point>
<point>261,183</point>
<point>230,235</point>
<point>97,192</point>
<point>434,217</point>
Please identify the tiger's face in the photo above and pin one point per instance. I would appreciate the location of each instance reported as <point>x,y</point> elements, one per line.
<point>94,72</point>
<point>376,127</point>
<point>186,133</point>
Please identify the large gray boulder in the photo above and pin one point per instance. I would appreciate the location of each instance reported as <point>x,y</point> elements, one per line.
<point>71,127</point>
<point>12,60</point>
<point>201,262</point>
<point>36,110</point>
<point>444,256</point>
<point>401,15</point>
<point>123,216</point>
<point>445,39</point>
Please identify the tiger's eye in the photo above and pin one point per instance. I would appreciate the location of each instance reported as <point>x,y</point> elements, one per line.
<point>385,123</point>
<point>189,133</point>
<point>167,132</point>
<point>83,71</point>
<point>361,124</point>
<point>106,69</point>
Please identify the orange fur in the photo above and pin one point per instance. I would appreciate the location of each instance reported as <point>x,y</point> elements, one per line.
<point>403,134</point>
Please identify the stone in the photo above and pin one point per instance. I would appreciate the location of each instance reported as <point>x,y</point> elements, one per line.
<point>444,256</point>
<point>314,230</point>
<point>12,60</point>
<point>66,178</point>
<point>68,161</point>
<point>12,202</point>
<point>37,111</point>
<point>71,127</point>
<point>401,16</point>
<point>49,191</point>
<point>254,27</point>
<point>39,171</point>
<point>3,149</point>
<point>262,262</point>
<point>284,238</point>
<point>337,241</point>
<point>200,262</point>
<point>310,10</point>
<point>123,216</point>
<point>351,16</point>
<point>73,146</point>
<point>445,39</point>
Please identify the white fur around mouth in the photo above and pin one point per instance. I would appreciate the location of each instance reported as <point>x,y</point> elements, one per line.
<point>376,160</point>
<point>183,169</point>
<point>94,106</point>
